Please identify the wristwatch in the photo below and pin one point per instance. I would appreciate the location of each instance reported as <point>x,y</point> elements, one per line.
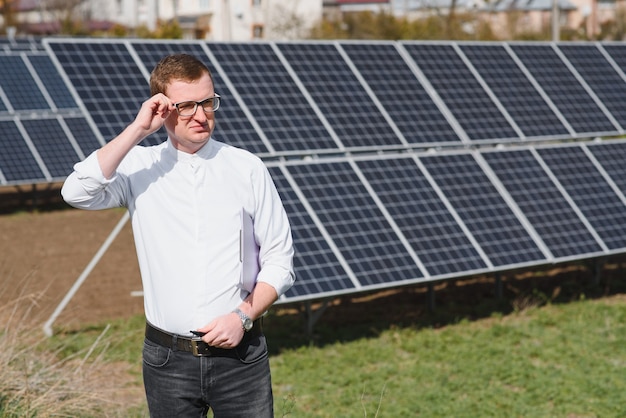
<point>246,322</point>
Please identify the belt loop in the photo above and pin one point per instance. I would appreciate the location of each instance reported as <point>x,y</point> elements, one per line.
<point>174,342</point>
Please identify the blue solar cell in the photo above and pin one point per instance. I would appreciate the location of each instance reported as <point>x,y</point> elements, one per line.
<point>617,51</point>
<point>612,156</point>
<point>356,225</point>
<point>19,86</point>
<point>336,90</point>
<point>108,81</point>
<point>542,203</point>
<point>563,88</point>
<point>591,192</point>
<point>462,93</point>
<point>402,95</point>
<point>317,268</point>
<point>481,207</point>
<point>274,99</point>
<point>52,145</point>
<point>600,76</point>
<point>433,233</point>
<point>513,89</point>
<point>83,134</point>
<point>232,125</point>
<point>17,162</point>
<point>52,81</point>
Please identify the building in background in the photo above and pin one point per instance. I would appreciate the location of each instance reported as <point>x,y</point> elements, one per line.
<point>217,20</point>
<point>245,20</point>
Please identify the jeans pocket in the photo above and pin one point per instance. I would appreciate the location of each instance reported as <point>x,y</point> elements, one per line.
<point>155,355</point>
<point>253,350</point>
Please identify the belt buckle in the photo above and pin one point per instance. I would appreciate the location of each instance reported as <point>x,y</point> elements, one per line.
<point>199,348</point>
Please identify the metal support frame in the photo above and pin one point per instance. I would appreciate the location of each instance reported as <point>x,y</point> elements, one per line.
<point>47,328</point>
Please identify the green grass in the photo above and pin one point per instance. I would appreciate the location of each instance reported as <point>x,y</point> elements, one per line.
<point>532,355</point>
<point>554,361</point>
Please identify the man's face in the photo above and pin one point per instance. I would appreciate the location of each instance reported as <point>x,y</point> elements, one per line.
<point>190,133</point>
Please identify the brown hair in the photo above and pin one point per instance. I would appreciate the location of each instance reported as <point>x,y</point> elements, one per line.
<point>176,67</point>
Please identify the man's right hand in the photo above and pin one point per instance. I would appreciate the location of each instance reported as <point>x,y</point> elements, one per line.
<point>153,113</point>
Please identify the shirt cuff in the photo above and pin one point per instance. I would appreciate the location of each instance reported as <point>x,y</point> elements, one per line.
<point>279,278</point>
<point>90,174</point>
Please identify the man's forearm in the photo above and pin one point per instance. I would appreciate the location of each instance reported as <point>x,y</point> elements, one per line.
<point>259,301</point>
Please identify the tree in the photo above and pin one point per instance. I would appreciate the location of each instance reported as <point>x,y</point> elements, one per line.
<point>8,14</point>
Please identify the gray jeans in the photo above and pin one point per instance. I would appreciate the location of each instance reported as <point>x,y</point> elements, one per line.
<point>178,384</point>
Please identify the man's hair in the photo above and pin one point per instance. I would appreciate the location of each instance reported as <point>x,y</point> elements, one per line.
<point>183,67</point>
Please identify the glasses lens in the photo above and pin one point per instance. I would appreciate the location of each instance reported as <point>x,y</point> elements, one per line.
<point>186,108</point>
<point>211,104</point>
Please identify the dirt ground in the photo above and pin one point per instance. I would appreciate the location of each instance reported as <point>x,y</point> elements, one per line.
<point>43,254</point>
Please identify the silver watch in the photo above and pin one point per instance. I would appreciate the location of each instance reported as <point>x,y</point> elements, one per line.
<point>246,322</point>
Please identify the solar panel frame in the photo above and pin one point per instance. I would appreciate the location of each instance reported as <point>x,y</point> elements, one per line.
<point>361,231</point>
<point>110,84</point>
<point>557,223</point>
<point>438,240</point>
<point>351,111</point>
<point>515,91</point>
<point>399,90</point>
<point>287,116</point>
<point>320,266</point>
<point>564,89</point>
<point>468,102</point>
<point>602,205</point>
<point>598,73</point>
<point>503,237</point>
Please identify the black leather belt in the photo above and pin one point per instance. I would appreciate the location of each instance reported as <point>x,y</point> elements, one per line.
<point>195,345</point>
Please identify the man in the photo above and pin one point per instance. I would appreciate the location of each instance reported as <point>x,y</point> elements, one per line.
<point>213,243</point>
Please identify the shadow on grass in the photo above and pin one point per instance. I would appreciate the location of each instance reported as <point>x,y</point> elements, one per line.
<point>366,315</point>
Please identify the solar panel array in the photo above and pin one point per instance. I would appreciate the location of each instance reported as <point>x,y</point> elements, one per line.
<point>398,162</point>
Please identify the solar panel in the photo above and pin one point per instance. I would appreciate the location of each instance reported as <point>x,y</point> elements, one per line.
<point>19,86</point>
<point>453,81</point>
<point>319,270</point>
<point>52,145</point>
<point>543,204</point>
<point>611,156</point>
<point>351,111</point>
<point>602,207</point>
<point>400,93</point>
<point>514,90</point>
<point>232,125</point>
<point>275,101</point>
<point>565,91</point>
<point>83,134</point>
<point>617,52</point>
<point>606,83</point>
<point>52,81</point>
<point>482,208</point>
<point>357,226</point>
<point>342,126</point>
<point>435,236</point>
<point>108,81</point>
<point>17,162</point>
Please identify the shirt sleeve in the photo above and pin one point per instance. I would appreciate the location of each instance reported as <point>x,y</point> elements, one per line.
<point>273,235</point>
<point>87,188</point>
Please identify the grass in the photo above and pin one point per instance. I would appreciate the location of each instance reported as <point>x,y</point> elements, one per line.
<point>553,347</point>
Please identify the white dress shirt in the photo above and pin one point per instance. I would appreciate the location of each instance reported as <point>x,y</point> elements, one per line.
<point>207,226</point>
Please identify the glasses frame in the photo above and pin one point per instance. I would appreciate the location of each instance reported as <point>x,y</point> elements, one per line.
<point>217,99</point>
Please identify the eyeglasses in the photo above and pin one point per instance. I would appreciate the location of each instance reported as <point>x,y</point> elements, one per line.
<point>189,108</point>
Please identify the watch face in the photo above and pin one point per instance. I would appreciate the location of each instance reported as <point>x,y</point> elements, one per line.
<point>247,324</point>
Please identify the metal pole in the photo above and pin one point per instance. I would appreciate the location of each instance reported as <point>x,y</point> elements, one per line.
<point>555,21</point>
<point>47,328</point>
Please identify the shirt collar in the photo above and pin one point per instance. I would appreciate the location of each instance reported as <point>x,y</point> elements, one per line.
<point>205,152</point>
